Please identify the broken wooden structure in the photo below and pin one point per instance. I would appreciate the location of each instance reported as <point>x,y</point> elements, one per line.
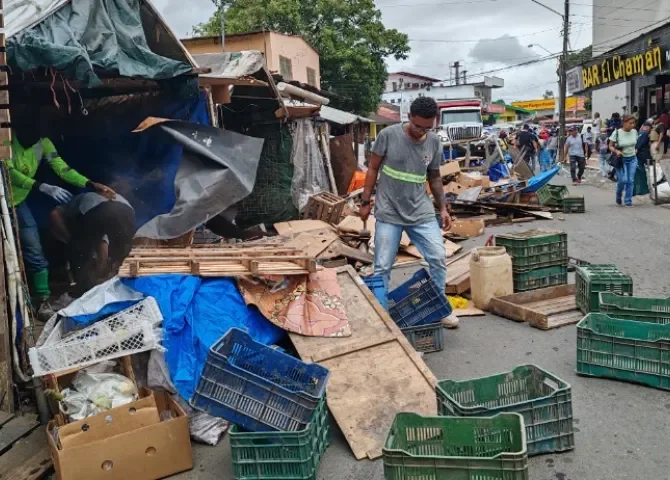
<point>326,207</point>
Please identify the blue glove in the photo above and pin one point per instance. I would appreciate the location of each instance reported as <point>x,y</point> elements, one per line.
<point>59,194</point>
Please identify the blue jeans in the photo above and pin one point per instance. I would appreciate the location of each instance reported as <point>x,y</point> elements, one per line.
<point>428,239</point>
<point>604,166</point>
<point>625,180</point>
<point>553,155</point>
<point>31,245</point>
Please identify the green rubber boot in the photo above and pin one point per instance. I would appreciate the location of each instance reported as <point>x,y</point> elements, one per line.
<point>40,285</point>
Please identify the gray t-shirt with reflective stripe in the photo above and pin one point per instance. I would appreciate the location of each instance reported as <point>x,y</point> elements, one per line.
<point>401,197</point>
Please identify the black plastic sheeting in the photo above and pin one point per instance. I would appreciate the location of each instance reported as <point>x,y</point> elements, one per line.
<point>86,35</point>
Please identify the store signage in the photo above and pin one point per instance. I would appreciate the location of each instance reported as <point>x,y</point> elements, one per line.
<point>571,103</point>
<point>575,79</point>
<point>495,108</point>
<point>619,68</point>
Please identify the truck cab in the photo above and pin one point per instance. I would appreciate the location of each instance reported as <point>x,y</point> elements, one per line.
<point>460,120</point>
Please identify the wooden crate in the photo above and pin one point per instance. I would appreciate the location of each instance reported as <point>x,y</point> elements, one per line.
<point>545,309</point>
<point>326,207</point>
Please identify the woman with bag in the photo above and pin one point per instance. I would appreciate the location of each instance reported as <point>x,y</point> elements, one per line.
<point>623,159</point>
<point>643,153</point>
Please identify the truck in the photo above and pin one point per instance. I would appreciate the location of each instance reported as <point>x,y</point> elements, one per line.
<point>460,121</point>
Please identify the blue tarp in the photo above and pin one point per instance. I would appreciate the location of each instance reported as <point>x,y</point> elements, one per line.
<point>196,313</point>
<point>540,180</point>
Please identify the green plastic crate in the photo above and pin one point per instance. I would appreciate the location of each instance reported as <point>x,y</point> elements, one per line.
<point>281,455</point>
<point>625,350</point>
<point>446,448</point>
<point>426,338</point>
<point>535,249</point>
<point>552,195</point>
<point>574,204</point>
<point>652,310</point>
<point>593,279</point>
<point>544,401</point>
<point>540,278</point>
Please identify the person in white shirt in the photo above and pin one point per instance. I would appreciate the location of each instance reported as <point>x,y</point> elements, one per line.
<point>597,124</point>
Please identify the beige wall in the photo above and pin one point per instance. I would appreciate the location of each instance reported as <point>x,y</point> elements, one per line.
<point>272,45</point>
<point>302,56</point>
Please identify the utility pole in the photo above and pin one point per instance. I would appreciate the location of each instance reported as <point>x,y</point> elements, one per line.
<point>563,82</point>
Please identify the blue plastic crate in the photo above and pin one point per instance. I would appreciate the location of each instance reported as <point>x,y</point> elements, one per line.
<point>258,388</point>
<point>418,302</point>
<point>376,286</point>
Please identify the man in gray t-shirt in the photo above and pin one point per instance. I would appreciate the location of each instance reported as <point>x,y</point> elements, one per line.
<point>574,149</point>
<point>404,157</point>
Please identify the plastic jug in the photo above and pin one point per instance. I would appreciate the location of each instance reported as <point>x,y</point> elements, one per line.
<point>490,275</point>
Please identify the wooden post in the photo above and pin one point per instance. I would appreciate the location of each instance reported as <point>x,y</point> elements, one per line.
<point>6,381</point>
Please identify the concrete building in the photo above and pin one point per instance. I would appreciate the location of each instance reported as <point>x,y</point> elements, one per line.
<point>289,55</point>
<point>615,23</point>
<point>402,88</point>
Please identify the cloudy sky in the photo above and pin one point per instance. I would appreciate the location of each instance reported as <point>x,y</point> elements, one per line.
<point>484,35</point>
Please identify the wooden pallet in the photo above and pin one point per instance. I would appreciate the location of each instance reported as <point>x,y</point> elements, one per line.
<point>326,207</point>
<point>374,374</point>
<point>545,309</point>
<point>218,261</point>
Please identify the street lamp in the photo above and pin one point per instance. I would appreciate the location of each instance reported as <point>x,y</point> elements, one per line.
<point>539,46</point>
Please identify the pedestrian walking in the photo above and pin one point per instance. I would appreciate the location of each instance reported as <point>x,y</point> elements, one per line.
<point>602,145</point>
<point>527,141</point>
<point>643,153</point>
<point>574,149</point>
<point>404,157</point>
<point>552,146</point>
<point>624,141</point>
<point>597,124</point>
<point>588,143</point>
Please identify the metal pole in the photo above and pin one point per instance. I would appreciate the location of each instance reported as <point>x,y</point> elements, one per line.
<point>563,83</point>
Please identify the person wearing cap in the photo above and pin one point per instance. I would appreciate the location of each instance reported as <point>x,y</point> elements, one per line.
<point>574,150</point>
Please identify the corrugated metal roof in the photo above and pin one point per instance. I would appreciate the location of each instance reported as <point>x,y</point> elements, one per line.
<point>343,118</point>
<point>231,64</point>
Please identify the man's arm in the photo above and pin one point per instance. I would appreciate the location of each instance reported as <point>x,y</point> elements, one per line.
<point>435,184</point>
<point>370,182</point>
<point>61,168</point>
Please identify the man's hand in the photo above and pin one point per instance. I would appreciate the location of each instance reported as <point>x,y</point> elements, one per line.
<point>446,220</point>
<point>104,190</point>
<point>364,211</point>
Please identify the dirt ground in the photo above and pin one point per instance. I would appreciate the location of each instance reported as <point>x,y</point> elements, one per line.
<point>621,429</point>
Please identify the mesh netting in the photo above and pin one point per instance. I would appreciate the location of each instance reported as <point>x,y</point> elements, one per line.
<point>270,201</point>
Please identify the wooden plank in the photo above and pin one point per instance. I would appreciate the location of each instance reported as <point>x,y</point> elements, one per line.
<point>17,428</point>
<point>450,248</point>
<point>458,274</point>
<point>297,226</point>
<point>6,383</point>
<point>560,320</point>
<point>30,451</point>
<point>4,97</point>
<point>365,389</point>
<point>4,115</point>
<point>3,79</point>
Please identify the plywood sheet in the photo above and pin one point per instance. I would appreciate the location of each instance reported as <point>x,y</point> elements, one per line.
<point>450,248</point>
<point>354,225</point>
<point>297,226</point>
<point>313,242</point>
<point>374,374</point>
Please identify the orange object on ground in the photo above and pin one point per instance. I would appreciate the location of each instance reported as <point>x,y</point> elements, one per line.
<point>357,181</point>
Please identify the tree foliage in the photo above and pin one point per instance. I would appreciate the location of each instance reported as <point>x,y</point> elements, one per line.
<point>548,94</point>
<point>579,57</point>
<point>348,34</point>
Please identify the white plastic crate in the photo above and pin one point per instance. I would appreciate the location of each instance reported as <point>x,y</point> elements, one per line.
<point>134,330</point>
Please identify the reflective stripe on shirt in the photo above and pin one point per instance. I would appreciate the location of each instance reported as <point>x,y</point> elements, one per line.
<point>403,176</point>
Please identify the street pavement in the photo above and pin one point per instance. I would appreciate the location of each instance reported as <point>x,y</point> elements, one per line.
<point>621,429</point>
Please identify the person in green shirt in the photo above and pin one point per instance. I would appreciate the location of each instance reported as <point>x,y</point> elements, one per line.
<point>22,169</point>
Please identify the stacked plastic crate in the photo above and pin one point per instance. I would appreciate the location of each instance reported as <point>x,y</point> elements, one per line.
<point>539,258</point>
<point>276,403</point>
<point>418,307</point>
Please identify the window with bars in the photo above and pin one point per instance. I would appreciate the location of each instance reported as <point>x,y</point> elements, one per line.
<point>285,68</point>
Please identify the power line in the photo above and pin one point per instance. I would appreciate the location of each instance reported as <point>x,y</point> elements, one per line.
<point>483,39</point>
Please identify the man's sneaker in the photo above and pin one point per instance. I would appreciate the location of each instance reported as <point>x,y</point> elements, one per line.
<point>450,322</point>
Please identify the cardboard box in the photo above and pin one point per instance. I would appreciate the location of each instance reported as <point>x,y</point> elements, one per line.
<point>125,442</point>
<point>486,182</point>
<point>455,188</point>
<point>469,181</point>
<point>450,168</point>
<point>468,228</point>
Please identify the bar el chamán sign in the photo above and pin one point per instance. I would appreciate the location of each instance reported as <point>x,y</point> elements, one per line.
<point>621,67</point>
